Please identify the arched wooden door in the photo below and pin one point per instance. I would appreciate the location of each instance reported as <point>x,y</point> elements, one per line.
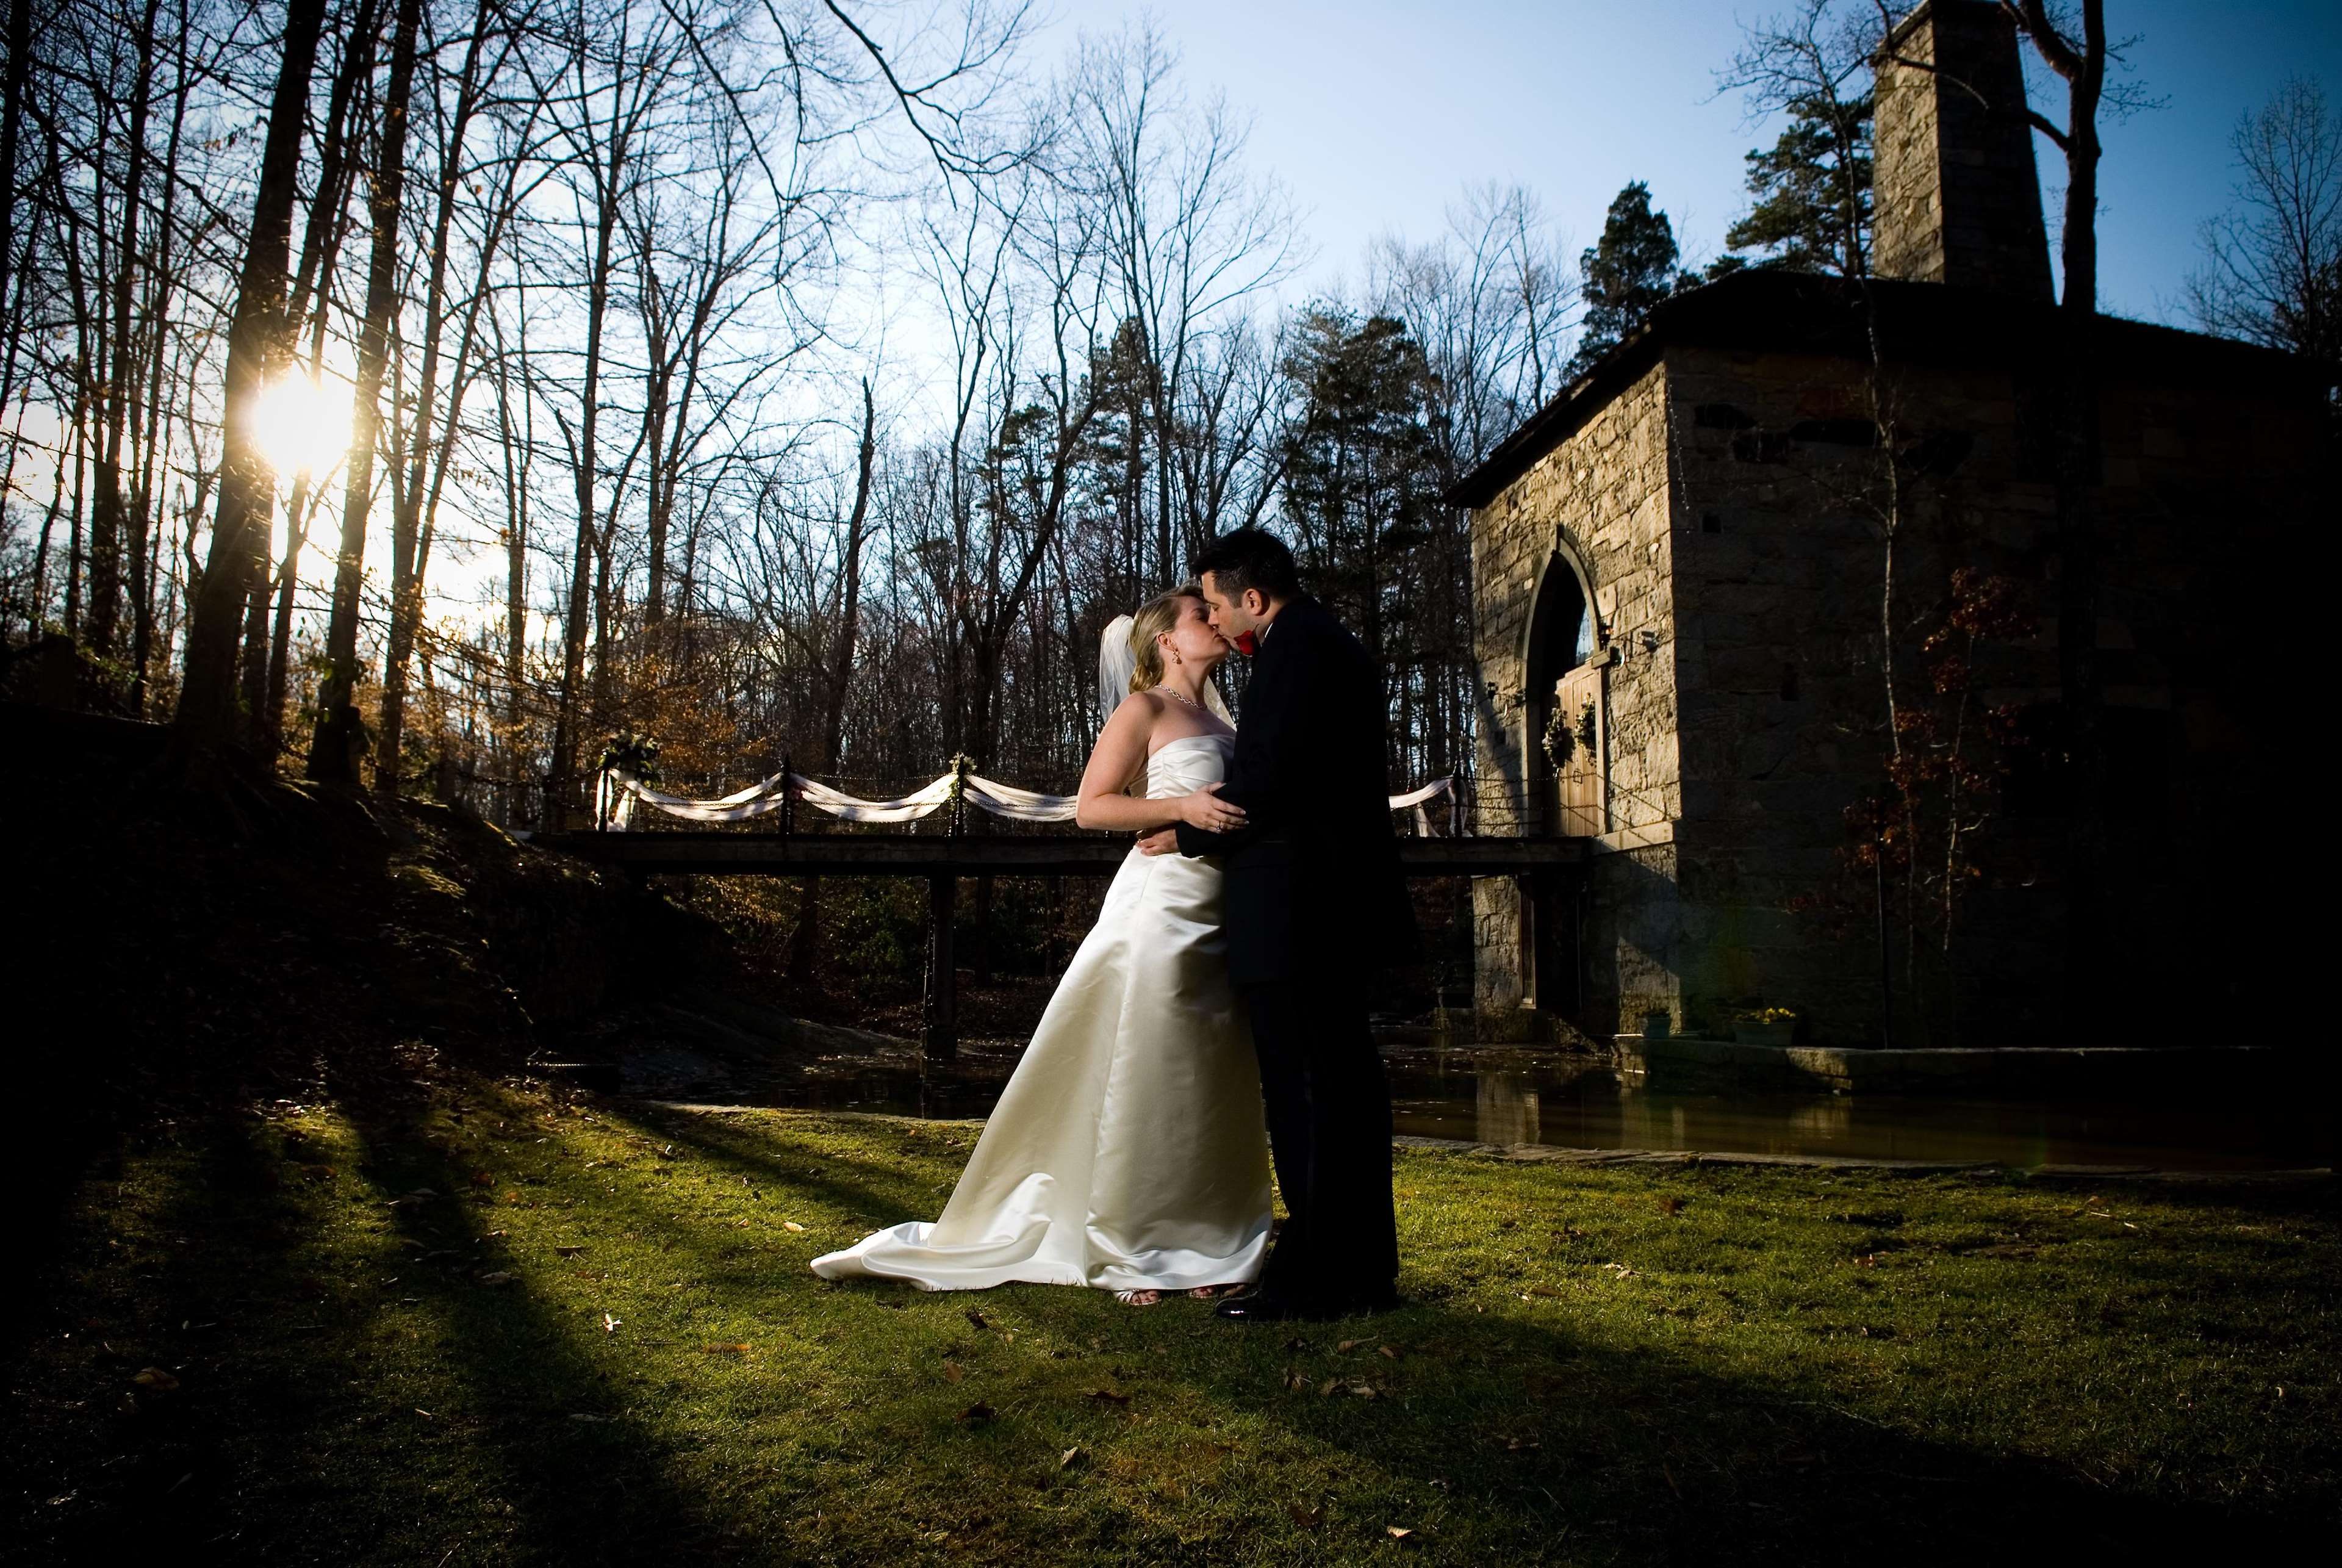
<point>1575,745</point>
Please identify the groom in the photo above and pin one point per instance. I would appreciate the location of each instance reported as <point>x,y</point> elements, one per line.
<point>1316,907</point>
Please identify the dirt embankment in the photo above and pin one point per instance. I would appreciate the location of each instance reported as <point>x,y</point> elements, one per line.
<point>184,950</point>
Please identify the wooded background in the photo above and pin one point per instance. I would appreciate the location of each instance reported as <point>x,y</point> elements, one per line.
<point>782,378</point>
<point>810,380</point>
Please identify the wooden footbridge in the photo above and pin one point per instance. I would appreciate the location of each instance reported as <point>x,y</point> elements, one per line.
<point>941,859</point>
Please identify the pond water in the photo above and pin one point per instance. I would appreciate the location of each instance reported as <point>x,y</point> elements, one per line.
<point>1511,1097</point>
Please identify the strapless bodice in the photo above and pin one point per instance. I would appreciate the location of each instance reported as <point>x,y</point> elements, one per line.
<point>1184,766</point>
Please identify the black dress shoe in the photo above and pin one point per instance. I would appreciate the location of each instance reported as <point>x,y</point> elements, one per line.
<point>1273,1307</point>
<point>1261,1307</point>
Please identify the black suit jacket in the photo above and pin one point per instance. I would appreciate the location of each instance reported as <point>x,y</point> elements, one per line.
<point>1314,887</point>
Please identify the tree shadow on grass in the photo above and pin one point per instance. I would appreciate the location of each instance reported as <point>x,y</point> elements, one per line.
<point>1529,1434</point>
<point>528,1452</point>
<point>855,1185</point>
<point>584,1477</point>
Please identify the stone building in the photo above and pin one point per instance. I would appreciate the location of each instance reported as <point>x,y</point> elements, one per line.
<point>1681,570</point>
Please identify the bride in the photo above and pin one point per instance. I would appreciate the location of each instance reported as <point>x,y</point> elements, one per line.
<point>1127,1152</point>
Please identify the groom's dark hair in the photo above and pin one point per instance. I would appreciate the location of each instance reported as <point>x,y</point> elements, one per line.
<point>1250,558</point>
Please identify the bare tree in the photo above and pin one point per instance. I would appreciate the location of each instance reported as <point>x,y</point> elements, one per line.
<point>2272,270</point>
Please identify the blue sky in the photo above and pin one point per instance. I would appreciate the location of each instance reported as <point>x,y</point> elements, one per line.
<point>1375,115</point>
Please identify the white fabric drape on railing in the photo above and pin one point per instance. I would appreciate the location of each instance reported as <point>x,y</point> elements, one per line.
<point>616,794</point>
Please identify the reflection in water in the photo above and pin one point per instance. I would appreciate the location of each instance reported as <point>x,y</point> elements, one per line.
<point>1594,1109</point>
<point>1567,1102</point>
<point>1505,1109</point>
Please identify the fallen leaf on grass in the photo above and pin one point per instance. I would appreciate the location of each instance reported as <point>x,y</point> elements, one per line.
<point>1519,1444</point>
<point>1308,1518</point>
<point>592,1420</point>
<point>568,1252</point>
<point>724,1349</point>
<point>1397,1533</point>
<point>978,1318</point>
<point>1389,1351</point>
<point>1336,1385</point>
<point>1671,1205</point>
<point>1293,1380</point>
<point>952,1372</point>
<point>1540,1290</point>
<point>785,1225</point>
<point>156,1380</point>
<point>1107,1397</point>
<point>483,1179</point>
<point>496,1277</point>
<point>1621,1270</point>
<point>1346,1346</point>
<point>1066,1460</point>
<point>611,1325</point>
<point>975,1414</point>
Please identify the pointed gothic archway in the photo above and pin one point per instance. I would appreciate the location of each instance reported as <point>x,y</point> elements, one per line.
<point>1564,768</point>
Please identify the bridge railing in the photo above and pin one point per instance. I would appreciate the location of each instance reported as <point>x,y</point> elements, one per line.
<point>955,803</point>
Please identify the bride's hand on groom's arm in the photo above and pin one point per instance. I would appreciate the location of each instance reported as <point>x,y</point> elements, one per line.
<point>1206,810</point>
<point>1162,841</point>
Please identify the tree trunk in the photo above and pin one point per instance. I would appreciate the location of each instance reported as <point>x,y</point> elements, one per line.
<point>562,784</point>
<point>340,737</point>
<point>409,537</point>
<point>110,513</point>
<point>841,673</point>
<point>2082,66</point>
<point>206,721</point>
<point>12,120</point>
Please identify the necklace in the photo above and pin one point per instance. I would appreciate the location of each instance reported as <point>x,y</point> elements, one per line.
<point>1181,696</point>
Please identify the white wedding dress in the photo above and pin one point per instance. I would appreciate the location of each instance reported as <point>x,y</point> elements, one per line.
<point>1129,1149</point>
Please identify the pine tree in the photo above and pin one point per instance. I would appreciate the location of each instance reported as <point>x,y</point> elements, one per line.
<point>1813,193</point>
<point>1362,474</point>
<point>1625,275</point>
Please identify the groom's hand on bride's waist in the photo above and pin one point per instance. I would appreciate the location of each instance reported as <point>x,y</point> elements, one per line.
<point>1162,841</point>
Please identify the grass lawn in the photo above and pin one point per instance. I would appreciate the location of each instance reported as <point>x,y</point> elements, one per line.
<point>509,1328</point>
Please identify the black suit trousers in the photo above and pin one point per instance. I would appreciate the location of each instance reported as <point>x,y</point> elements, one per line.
<point>1329,1124</point>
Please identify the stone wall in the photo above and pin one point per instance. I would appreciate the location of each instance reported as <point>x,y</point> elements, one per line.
<point>1601,495</point>
<point>1781,500</point>
<point>1784,497</point>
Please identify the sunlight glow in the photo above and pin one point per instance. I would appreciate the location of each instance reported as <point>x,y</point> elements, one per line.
<point>304,425</point>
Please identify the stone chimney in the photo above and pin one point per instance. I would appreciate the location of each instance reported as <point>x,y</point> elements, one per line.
<point>1956,196</point>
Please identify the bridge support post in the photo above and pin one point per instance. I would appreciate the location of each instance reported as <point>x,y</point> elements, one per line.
<point>941,1037</point>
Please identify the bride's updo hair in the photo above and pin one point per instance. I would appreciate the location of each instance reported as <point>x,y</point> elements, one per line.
<point>1152,620</point>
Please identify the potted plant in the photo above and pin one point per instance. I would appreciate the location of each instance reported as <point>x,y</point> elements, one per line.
<point>1764,1026</point>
